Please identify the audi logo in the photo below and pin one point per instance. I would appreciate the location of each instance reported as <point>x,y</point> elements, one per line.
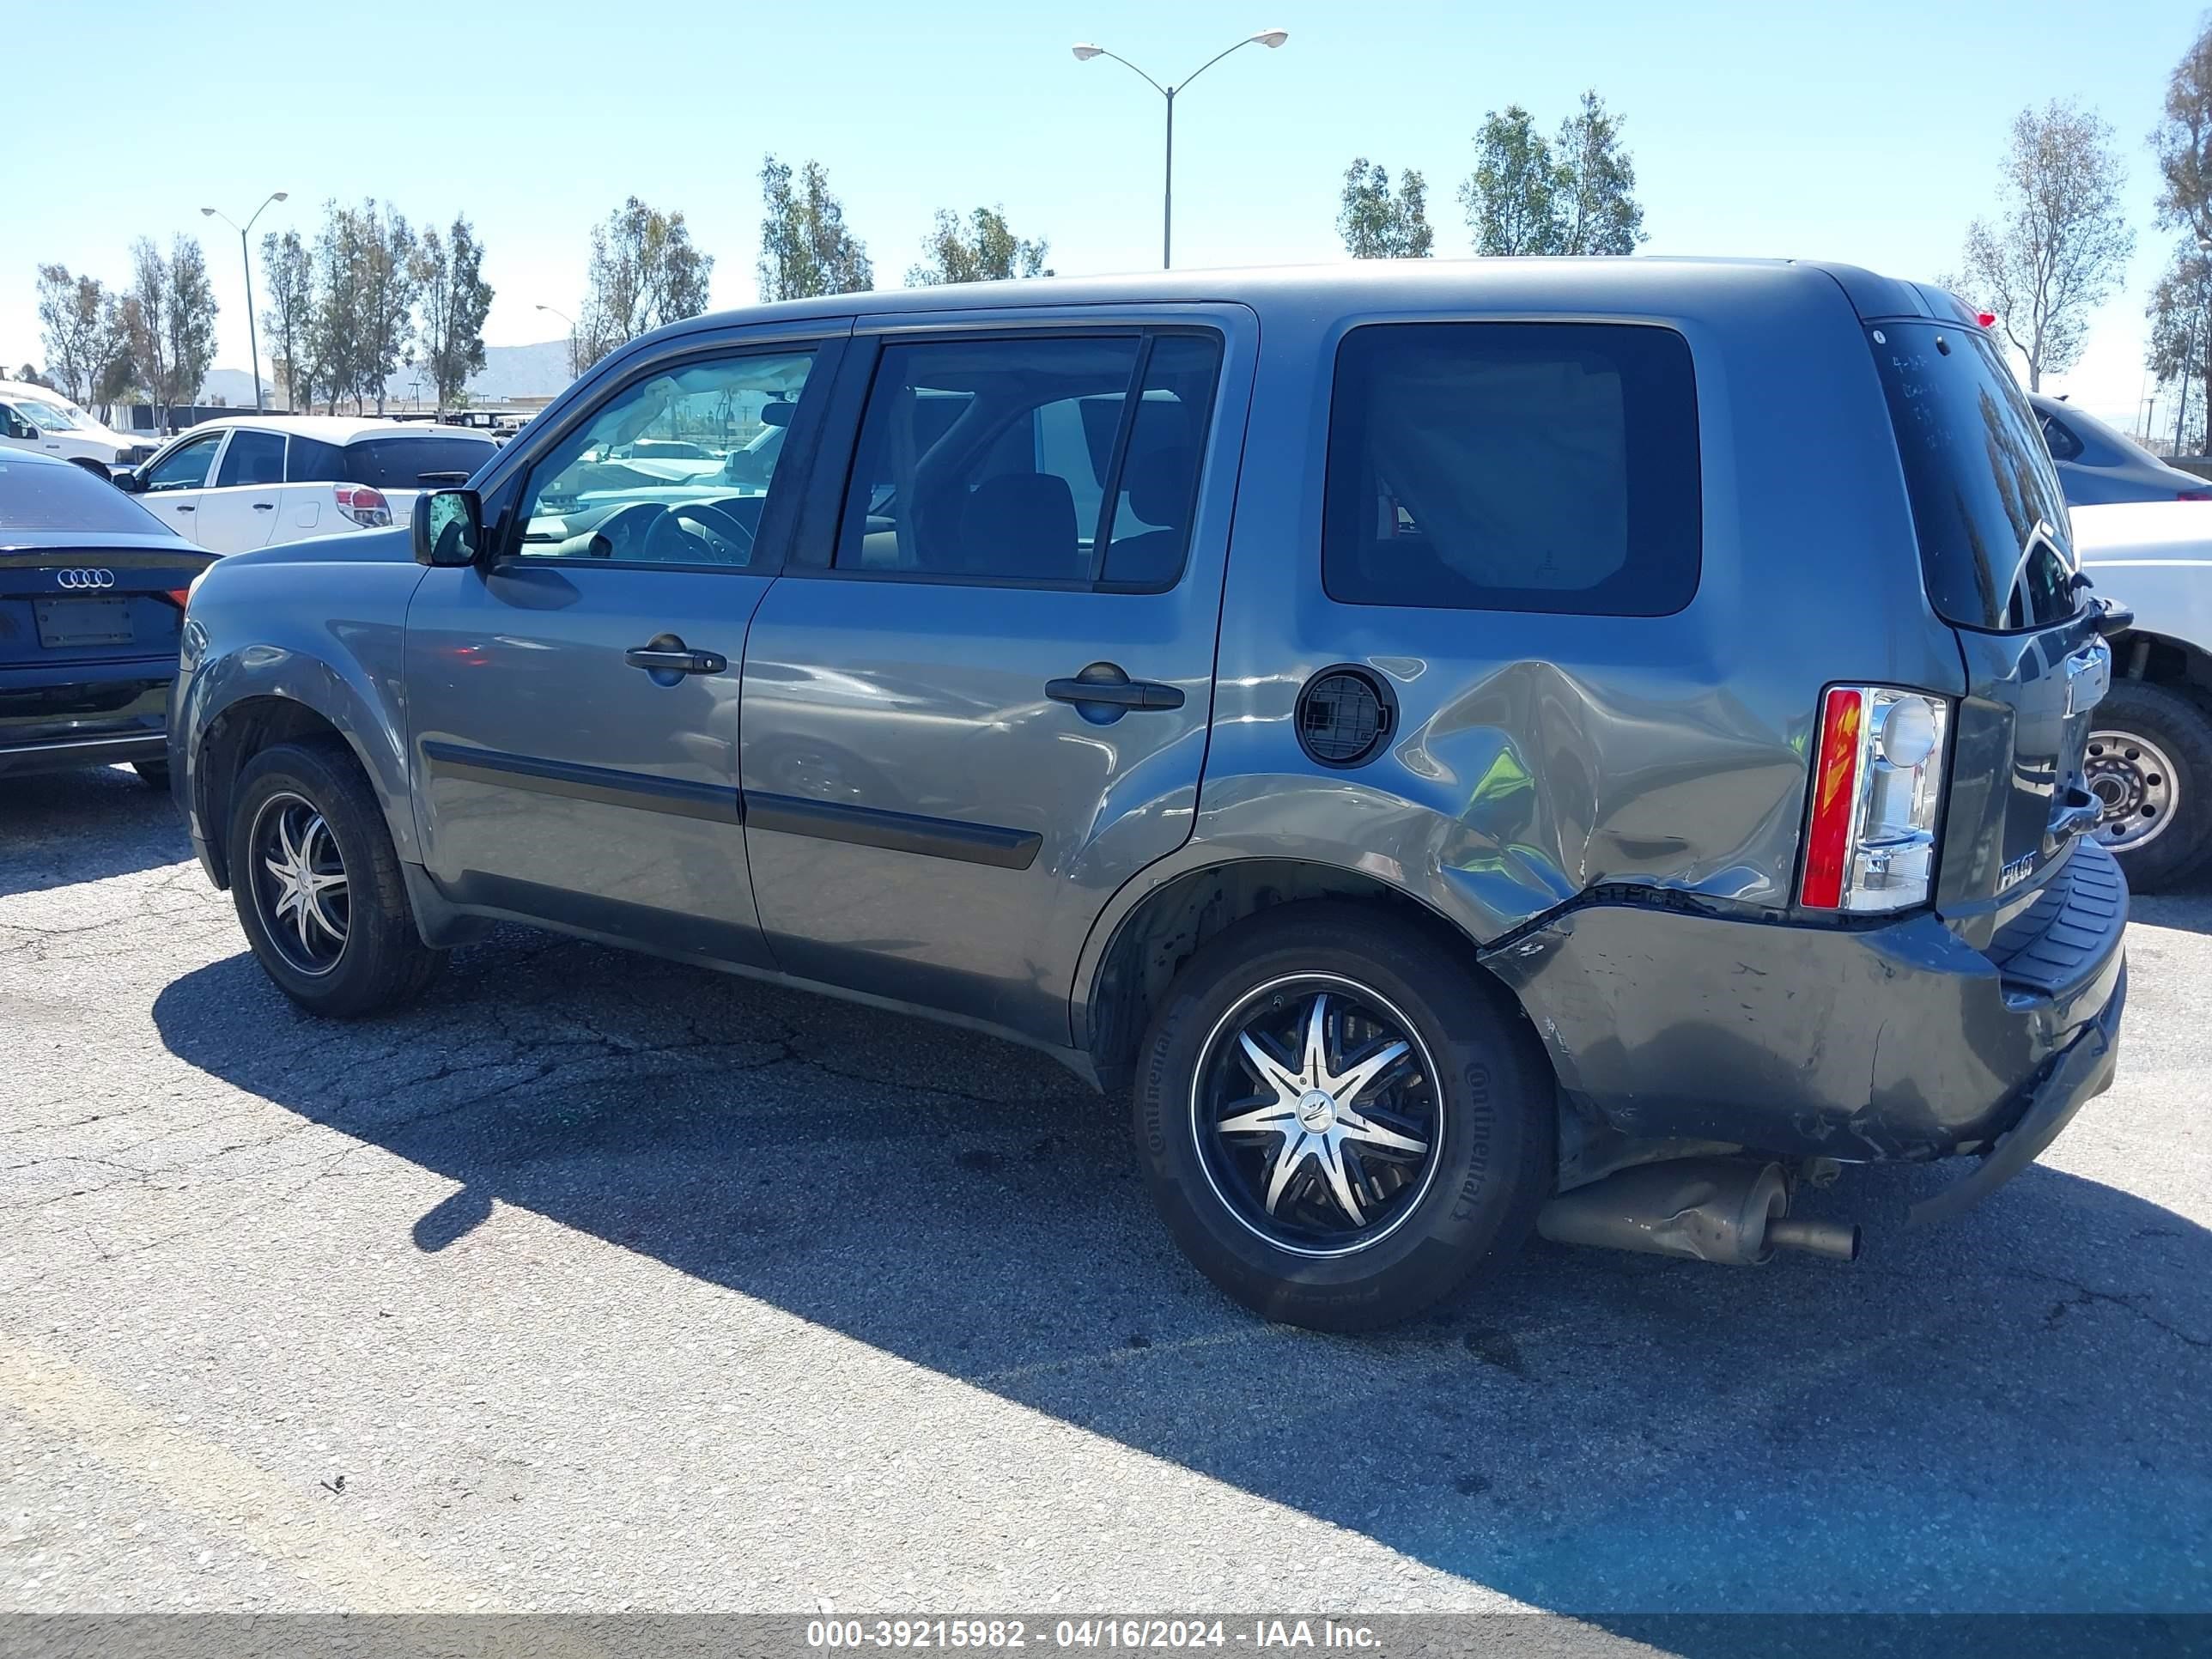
<point>81,581</point>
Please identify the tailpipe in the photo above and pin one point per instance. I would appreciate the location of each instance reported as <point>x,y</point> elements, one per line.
<point>1703,1209</point>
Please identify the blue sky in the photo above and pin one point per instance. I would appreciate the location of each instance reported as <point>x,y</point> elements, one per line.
<point>1867,132</point>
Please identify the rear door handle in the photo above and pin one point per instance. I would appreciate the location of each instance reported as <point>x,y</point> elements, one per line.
<point>1104,685</point>
<point>667,654</point>
<point>185,506</point>
<point>264,506</point>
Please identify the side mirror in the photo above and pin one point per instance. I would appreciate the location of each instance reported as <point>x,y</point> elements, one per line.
<point>128,479</point>
<point>449,527</point>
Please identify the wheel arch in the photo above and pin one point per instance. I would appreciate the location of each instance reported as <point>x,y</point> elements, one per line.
<point>243,728</point>
<point>1137,950</point>
<point>2165,660</point>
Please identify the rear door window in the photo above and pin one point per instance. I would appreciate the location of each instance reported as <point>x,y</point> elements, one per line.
<point>253,457</point>
<point>1065,461</point>
<point>403,463</point>
<point>1996,548</point>
<point>1514,466</point>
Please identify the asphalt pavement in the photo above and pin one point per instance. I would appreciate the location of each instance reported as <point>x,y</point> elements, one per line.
<point>598,1283</point>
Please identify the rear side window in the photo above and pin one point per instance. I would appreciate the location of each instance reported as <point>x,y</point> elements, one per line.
<point>314,461</point>
<point>1514,466</point>
<point>2063,444</point>
<point>1996,548</point>
<point>403,463</point>
<point>253,457</point>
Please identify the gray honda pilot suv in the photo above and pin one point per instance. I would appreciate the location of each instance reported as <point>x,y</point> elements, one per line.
<point>1423,730</point>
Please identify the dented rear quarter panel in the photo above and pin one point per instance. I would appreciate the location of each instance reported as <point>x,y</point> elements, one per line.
<point>1539,755</point>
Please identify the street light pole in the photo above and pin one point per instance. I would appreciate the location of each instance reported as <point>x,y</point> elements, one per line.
<point>571,321</point>
<point>245,259</point>
<point>1084,52</point>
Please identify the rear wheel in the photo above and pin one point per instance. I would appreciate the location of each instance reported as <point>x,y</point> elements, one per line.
<point>1340,1121</point>
<point>2149,764</point>
<point>317,885</point>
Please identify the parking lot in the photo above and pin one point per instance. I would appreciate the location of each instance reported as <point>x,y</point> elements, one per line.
<point>598,1282</point>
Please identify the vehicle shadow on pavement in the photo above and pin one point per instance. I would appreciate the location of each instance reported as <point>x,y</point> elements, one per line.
<point>2005,1411</point>
<point>64,827</point>
<point>2189,908</point>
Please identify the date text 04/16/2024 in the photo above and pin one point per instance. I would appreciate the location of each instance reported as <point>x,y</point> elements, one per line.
<point>1006,1635</point>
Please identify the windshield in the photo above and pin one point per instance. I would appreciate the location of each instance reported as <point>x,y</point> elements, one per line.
<point>51,415</point>
<point>1995,546</point>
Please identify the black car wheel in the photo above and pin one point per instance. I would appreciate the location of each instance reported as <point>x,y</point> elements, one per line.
<point>317,883</point>
<point>2149,764</point>
<point>1339,1119</point>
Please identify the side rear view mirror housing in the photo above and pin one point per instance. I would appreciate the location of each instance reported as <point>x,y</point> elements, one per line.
<point>128,479</point>
<point>448,528</point>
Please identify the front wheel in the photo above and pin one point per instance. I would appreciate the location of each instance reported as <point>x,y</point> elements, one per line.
<point>317,885</point>
<point>1339,1119</point>
<point>2149,764</point>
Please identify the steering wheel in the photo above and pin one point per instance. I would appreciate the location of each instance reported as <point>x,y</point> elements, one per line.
<point>724,535</point>
<point>612,538</point>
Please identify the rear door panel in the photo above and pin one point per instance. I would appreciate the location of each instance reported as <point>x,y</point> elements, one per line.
<point>923,820</point>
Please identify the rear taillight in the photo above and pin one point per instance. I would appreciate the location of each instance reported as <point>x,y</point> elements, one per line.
<point>1877,795</point>
<point>1986,318</point>
<point>365,506</point>
<point>180,597</point>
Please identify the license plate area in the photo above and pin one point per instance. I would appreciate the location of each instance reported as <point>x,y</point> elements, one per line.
<point>63,623</point>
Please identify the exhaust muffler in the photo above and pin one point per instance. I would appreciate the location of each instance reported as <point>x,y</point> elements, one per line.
<point>1704,1209</point>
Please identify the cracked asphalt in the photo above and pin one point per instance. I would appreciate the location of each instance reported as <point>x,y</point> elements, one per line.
<point>596,1282</point>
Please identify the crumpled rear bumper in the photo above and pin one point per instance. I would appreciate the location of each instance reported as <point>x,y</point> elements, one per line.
<point>1897,1040</point>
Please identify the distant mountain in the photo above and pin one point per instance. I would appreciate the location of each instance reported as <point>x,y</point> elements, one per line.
<point>521,371</point>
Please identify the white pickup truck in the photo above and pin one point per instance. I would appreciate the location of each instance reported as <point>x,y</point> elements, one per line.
<point>2150,755</point>
<point>40,419</point>
<point>258,480</point>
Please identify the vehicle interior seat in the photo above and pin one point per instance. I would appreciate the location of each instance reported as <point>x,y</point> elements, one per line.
<point>1021,523</point>
<point>1160,483</point>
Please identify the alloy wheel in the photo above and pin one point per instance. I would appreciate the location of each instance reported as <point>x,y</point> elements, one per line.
<point>1317,1116</point>
<point>299,884</point>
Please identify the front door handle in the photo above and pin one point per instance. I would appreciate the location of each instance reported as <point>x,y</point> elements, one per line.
<point>264,506</point>
<point>1104,685</point>
<point>665,654</point>
<point>185,506</point>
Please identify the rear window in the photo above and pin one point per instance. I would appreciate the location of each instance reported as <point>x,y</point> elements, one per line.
<point>400,463</point>
<point>43,495</point>
<point>1514,466</point>
<point>1996,549</point>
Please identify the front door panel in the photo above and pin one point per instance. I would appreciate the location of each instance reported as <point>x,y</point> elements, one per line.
<point>554,780</point>
<point>574,707</point>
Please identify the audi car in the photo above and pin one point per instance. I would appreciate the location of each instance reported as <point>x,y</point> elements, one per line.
<point>93,590</point>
